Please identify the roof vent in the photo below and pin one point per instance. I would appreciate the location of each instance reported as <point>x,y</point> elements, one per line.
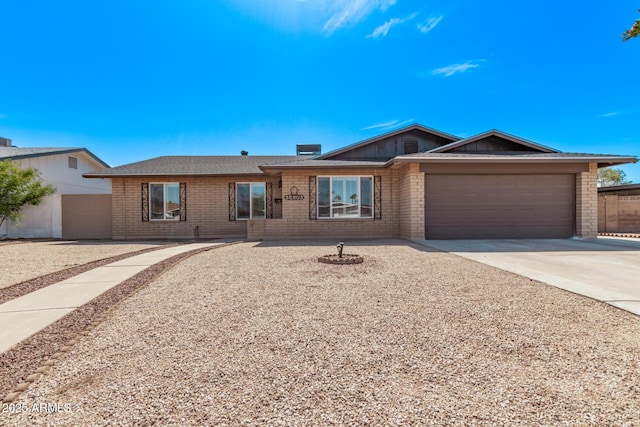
<point>410,147</point>
<point>308,149</point>
<point>5,142</point>
<point>244,153</point>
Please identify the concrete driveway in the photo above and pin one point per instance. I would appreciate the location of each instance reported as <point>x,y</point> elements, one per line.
<point>606,269</point>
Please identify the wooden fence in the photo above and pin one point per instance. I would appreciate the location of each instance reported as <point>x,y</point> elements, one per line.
<point>618,214</point>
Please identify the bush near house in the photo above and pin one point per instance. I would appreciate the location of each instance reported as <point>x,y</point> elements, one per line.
<point>20,187</point>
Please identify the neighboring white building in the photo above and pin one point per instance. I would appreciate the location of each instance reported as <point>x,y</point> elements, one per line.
<point>62,167</point>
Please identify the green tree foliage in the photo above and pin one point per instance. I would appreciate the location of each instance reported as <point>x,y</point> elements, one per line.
<point>611,176</point>
<point>19,187</point>
<point>632,32</point>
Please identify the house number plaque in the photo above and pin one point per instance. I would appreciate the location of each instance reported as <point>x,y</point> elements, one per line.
<point>293,194</point>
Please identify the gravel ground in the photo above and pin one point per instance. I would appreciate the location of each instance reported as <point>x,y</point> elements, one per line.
<point>33,353</point>
<point>14,291</point>
<point>261,333</point>
<point>24,261</point>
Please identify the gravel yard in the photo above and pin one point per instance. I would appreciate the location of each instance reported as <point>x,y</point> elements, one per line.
<point>22,261</point>
<point>261,333</point>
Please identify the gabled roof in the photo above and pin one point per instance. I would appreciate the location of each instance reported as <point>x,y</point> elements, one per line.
<point>497,133</point>
<point>193,165</point>
<point>18,153</point>
<point>409,128</point>
<point>513,157</point>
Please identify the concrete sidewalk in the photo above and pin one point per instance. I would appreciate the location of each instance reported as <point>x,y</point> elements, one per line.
<point>28,314</point>
<point>606,269</point>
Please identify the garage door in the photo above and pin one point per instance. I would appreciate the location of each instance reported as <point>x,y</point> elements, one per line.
<point>499,206</point>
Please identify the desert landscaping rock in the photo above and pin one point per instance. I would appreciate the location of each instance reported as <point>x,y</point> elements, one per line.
<point>34,353</point>
<point>344,260</point>
<point>25,261</point>
<point>11,291</point>
<point>263,334</point>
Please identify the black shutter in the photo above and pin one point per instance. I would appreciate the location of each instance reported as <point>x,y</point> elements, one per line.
<point>377,196</point>
<point>145,201</point>
<point>269,201</point>
<point>183,201</point>
<point>232,201</point>
<point>313,207</point>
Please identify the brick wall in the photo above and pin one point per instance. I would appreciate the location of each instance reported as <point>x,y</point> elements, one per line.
<point>207,208</point>
<point>587,203</point>
<point>295,222</point>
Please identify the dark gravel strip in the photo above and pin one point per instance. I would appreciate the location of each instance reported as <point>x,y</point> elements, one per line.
<point>627,235</point>
<point>23,359</point>
<point>28,286</point>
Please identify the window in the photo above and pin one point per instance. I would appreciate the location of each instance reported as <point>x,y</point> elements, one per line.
<point>345,197</point>
<point>250,200</point>
<point>164,201</point>
<point>73,162</point>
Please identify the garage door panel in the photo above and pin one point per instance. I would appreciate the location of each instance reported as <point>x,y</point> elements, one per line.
<point>499,206</point>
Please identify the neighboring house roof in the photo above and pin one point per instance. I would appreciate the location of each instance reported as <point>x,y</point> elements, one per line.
<point>18,153</point>
<point>497,133</point>
<point>513,157</point>
<point>409,128</point>
<point>612,188</point>
<point>193,165</point>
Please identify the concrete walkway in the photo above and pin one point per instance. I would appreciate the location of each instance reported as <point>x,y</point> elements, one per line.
<point>606,269</point>
<point>28,314</point>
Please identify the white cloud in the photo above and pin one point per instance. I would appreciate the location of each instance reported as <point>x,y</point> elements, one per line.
<point>389,125</point>
<point>452,69</point>
<point>430,24</point>
<point>383,29</point>
<point>613,113</point>
<point>349,12</point>
<point>380,125</point>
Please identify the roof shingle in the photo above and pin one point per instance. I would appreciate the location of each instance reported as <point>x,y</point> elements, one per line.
<point>194,165</point>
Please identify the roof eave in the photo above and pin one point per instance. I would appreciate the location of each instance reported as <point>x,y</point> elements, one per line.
<point>620,187</point>
<point>164,175</point>
<point>271,169</point>
<point>55,153</point>
<point>605,161</point>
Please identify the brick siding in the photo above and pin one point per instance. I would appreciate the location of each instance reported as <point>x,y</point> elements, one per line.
<point>295,222</point>
<point>208,209</point>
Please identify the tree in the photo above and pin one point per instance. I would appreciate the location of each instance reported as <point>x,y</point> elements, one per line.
<point>632,32</point>
<point>19,187</point>
<point>611,176</point>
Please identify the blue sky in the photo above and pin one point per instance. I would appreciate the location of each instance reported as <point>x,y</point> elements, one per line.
<point>131,80</point>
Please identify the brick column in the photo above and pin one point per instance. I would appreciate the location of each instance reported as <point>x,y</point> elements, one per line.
<point>118,209</point>
<point>411,202</point>
<point>587,203</point>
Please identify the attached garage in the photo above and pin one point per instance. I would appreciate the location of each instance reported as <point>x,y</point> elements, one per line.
<point>500,206</point>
